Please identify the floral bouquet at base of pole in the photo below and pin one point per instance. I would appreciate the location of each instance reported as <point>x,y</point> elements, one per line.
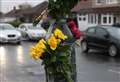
<point>55,55</point>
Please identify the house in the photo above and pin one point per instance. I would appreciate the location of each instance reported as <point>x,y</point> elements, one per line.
<point>97,12</point>
<point>29,14</point>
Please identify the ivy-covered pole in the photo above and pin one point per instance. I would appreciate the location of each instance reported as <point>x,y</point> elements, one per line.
<point>61,8</point>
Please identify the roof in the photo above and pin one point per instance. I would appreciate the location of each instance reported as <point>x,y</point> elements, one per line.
<point>82,5</point>
<point>12,13</point>
<point>87,7</point>
<point>34,10</point>
<point>37,9</point>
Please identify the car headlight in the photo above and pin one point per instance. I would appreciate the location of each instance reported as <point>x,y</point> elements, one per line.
<point>19,34</point>
<point>2,36</point>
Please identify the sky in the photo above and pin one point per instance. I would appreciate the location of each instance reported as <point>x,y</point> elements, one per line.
<point>7,5</point>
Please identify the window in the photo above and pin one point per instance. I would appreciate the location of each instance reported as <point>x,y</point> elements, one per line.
<point>104,19</point>
<point>80,19</point>
<point>111,1</point>
<point>99,1</point>
<point>91,30</point>
<point>107,19</point>
<point>92,18</point>
<point>84,18</point>
<point>22,26</point>
<point>115,20</point>
<point>101,32</point>
<point>110,20</point>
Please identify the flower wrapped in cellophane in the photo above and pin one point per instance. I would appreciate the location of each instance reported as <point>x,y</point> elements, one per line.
<point>55,54</point>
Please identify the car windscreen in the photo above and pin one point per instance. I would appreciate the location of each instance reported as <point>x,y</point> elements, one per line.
<point>6,27</point>
<point>114,32</point>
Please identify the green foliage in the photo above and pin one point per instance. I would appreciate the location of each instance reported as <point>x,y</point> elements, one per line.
<point>58,9</point>
<point>57,63</point>
<point>15,23</point>
<point>61,8</point>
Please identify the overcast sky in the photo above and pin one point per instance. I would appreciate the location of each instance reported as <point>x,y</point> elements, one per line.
<point>7,5</point>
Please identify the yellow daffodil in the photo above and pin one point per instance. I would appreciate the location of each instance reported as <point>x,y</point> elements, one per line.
<point>59,34</point>
<point>41,44</point>
<point>37,51</point>
<point>52,41</point>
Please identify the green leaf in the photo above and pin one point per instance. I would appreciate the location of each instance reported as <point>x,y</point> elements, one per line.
<point>64,48</point>
<point>53,58</point>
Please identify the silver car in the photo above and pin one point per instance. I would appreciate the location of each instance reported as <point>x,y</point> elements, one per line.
<point>31,32</point>
<point>9,34</point>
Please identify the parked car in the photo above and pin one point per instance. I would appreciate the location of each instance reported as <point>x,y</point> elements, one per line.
<point>117,25</point>
<point>105,38</point>
<point>32,32</point>
<point>9,34</point>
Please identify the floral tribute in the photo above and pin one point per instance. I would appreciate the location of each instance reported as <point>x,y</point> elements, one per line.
<point>55,55</point>
<point>74,29</point>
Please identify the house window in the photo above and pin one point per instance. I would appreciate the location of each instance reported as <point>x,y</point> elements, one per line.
<point>115,20</point>
<point>92,18</point>
<point>110,20</point>
<point>99,1</point>
<point>82,17</point>
<point>111,1</point>
<point>107,19</point>
<point>104,19</point>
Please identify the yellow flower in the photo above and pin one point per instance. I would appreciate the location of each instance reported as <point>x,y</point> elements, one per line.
<point>52,41</point>
<point>41,44</point>
<point>59,34</point>
<point>37,51</point>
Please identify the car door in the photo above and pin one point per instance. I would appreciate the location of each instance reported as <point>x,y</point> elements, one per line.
<point>102,38</point>
<point>90,36</point>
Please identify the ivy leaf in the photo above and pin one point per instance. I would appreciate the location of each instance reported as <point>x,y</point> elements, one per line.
<point>64,48</point>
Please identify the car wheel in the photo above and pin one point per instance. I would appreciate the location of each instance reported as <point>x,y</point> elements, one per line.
<point>113,51</point>
<point>84,46</point>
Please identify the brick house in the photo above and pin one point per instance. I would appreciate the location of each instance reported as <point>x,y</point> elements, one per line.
<point>97,12</point>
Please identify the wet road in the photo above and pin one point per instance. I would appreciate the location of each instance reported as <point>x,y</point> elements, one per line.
<point>17,66</point>
<point>97,67</point>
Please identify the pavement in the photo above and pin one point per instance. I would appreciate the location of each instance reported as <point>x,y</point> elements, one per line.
<point>17,66</point>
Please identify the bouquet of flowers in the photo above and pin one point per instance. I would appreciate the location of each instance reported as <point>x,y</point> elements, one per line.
<point>55,55</point>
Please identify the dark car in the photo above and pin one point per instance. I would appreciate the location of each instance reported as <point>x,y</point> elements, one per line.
<point>105,38</point>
